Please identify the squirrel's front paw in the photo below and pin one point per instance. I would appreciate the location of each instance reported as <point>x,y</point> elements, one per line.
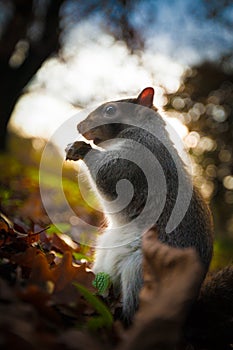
<point>77,150</point>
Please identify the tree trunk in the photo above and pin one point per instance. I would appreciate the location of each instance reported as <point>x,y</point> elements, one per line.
<point>14,79</point>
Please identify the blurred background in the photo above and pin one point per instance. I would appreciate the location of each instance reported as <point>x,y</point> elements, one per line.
<point>59,57</point>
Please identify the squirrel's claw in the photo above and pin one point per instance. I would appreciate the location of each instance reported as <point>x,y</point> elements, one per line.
<point>77,150</point>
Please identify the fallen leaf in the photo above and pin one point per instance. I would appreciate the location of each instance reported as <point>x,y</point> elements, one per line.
<point>40,272</point>
<point>59,244</point>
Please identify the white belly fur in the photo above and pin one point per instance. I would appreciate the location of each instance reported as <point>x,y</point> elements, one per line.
<point>113,249</point>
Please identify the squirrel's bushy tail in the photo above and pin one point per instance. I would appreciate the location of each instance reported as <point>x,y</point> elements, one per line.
<point>210,322</point>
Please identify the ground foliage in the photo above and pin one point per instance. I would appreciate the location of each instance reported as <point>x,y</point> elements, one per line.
<point>45,288</point>
<point>46,285</point>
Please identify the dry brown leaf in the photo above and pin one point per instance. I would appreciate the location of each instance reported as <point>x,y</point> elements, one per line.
<point>60,245</point>
<point>26,258</point>
<point>41,272</point>
<point>65,272</point>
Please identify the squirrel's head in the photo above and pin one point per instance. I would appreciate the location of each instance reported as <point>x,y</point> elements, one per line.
<point>109,119</point>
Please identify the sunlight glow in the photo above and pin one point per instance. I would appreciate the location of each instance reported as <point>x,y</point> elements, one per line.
<point>94,70</point>
<point>180,128</point>
<point>228,182</point>
<point>39,115</point>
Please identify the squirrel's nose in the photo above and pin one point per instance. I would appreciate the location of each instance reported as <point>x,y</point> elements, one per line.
<point>83,127</point>
<point>80,127</point>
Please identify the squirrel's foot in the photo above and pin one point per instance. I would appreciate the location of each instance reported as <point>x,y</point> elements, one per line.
<point>77,150</point>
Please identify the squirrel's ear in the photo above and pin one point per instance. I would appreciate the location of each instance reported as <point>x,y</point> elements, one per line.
<point>145,98</point>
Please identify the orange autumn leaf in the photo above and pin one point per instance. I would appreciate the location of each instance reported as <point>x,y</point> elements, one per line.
<point>65,275</point>
<point>25,258</point>
<point>85,277</point>
<point>60,245</point>
<point>41,272</point>
<point>64,272</point>
<point>61,275</point>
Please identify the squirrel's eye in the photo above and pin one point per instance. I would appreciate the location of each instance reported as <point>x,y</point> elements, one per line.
<point>110,110</point>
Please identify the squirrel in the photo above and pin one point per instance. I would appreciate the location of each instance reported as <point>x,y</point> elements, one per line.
<point>135,150</point>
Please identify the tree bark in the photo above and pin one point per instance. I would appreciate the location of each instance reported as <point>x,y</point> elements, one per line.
<point>14,79</point>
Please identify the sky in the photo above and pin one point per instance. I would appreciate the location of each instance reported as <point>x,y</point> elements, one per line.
<point>97,68</point>
<point>182,30</point>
